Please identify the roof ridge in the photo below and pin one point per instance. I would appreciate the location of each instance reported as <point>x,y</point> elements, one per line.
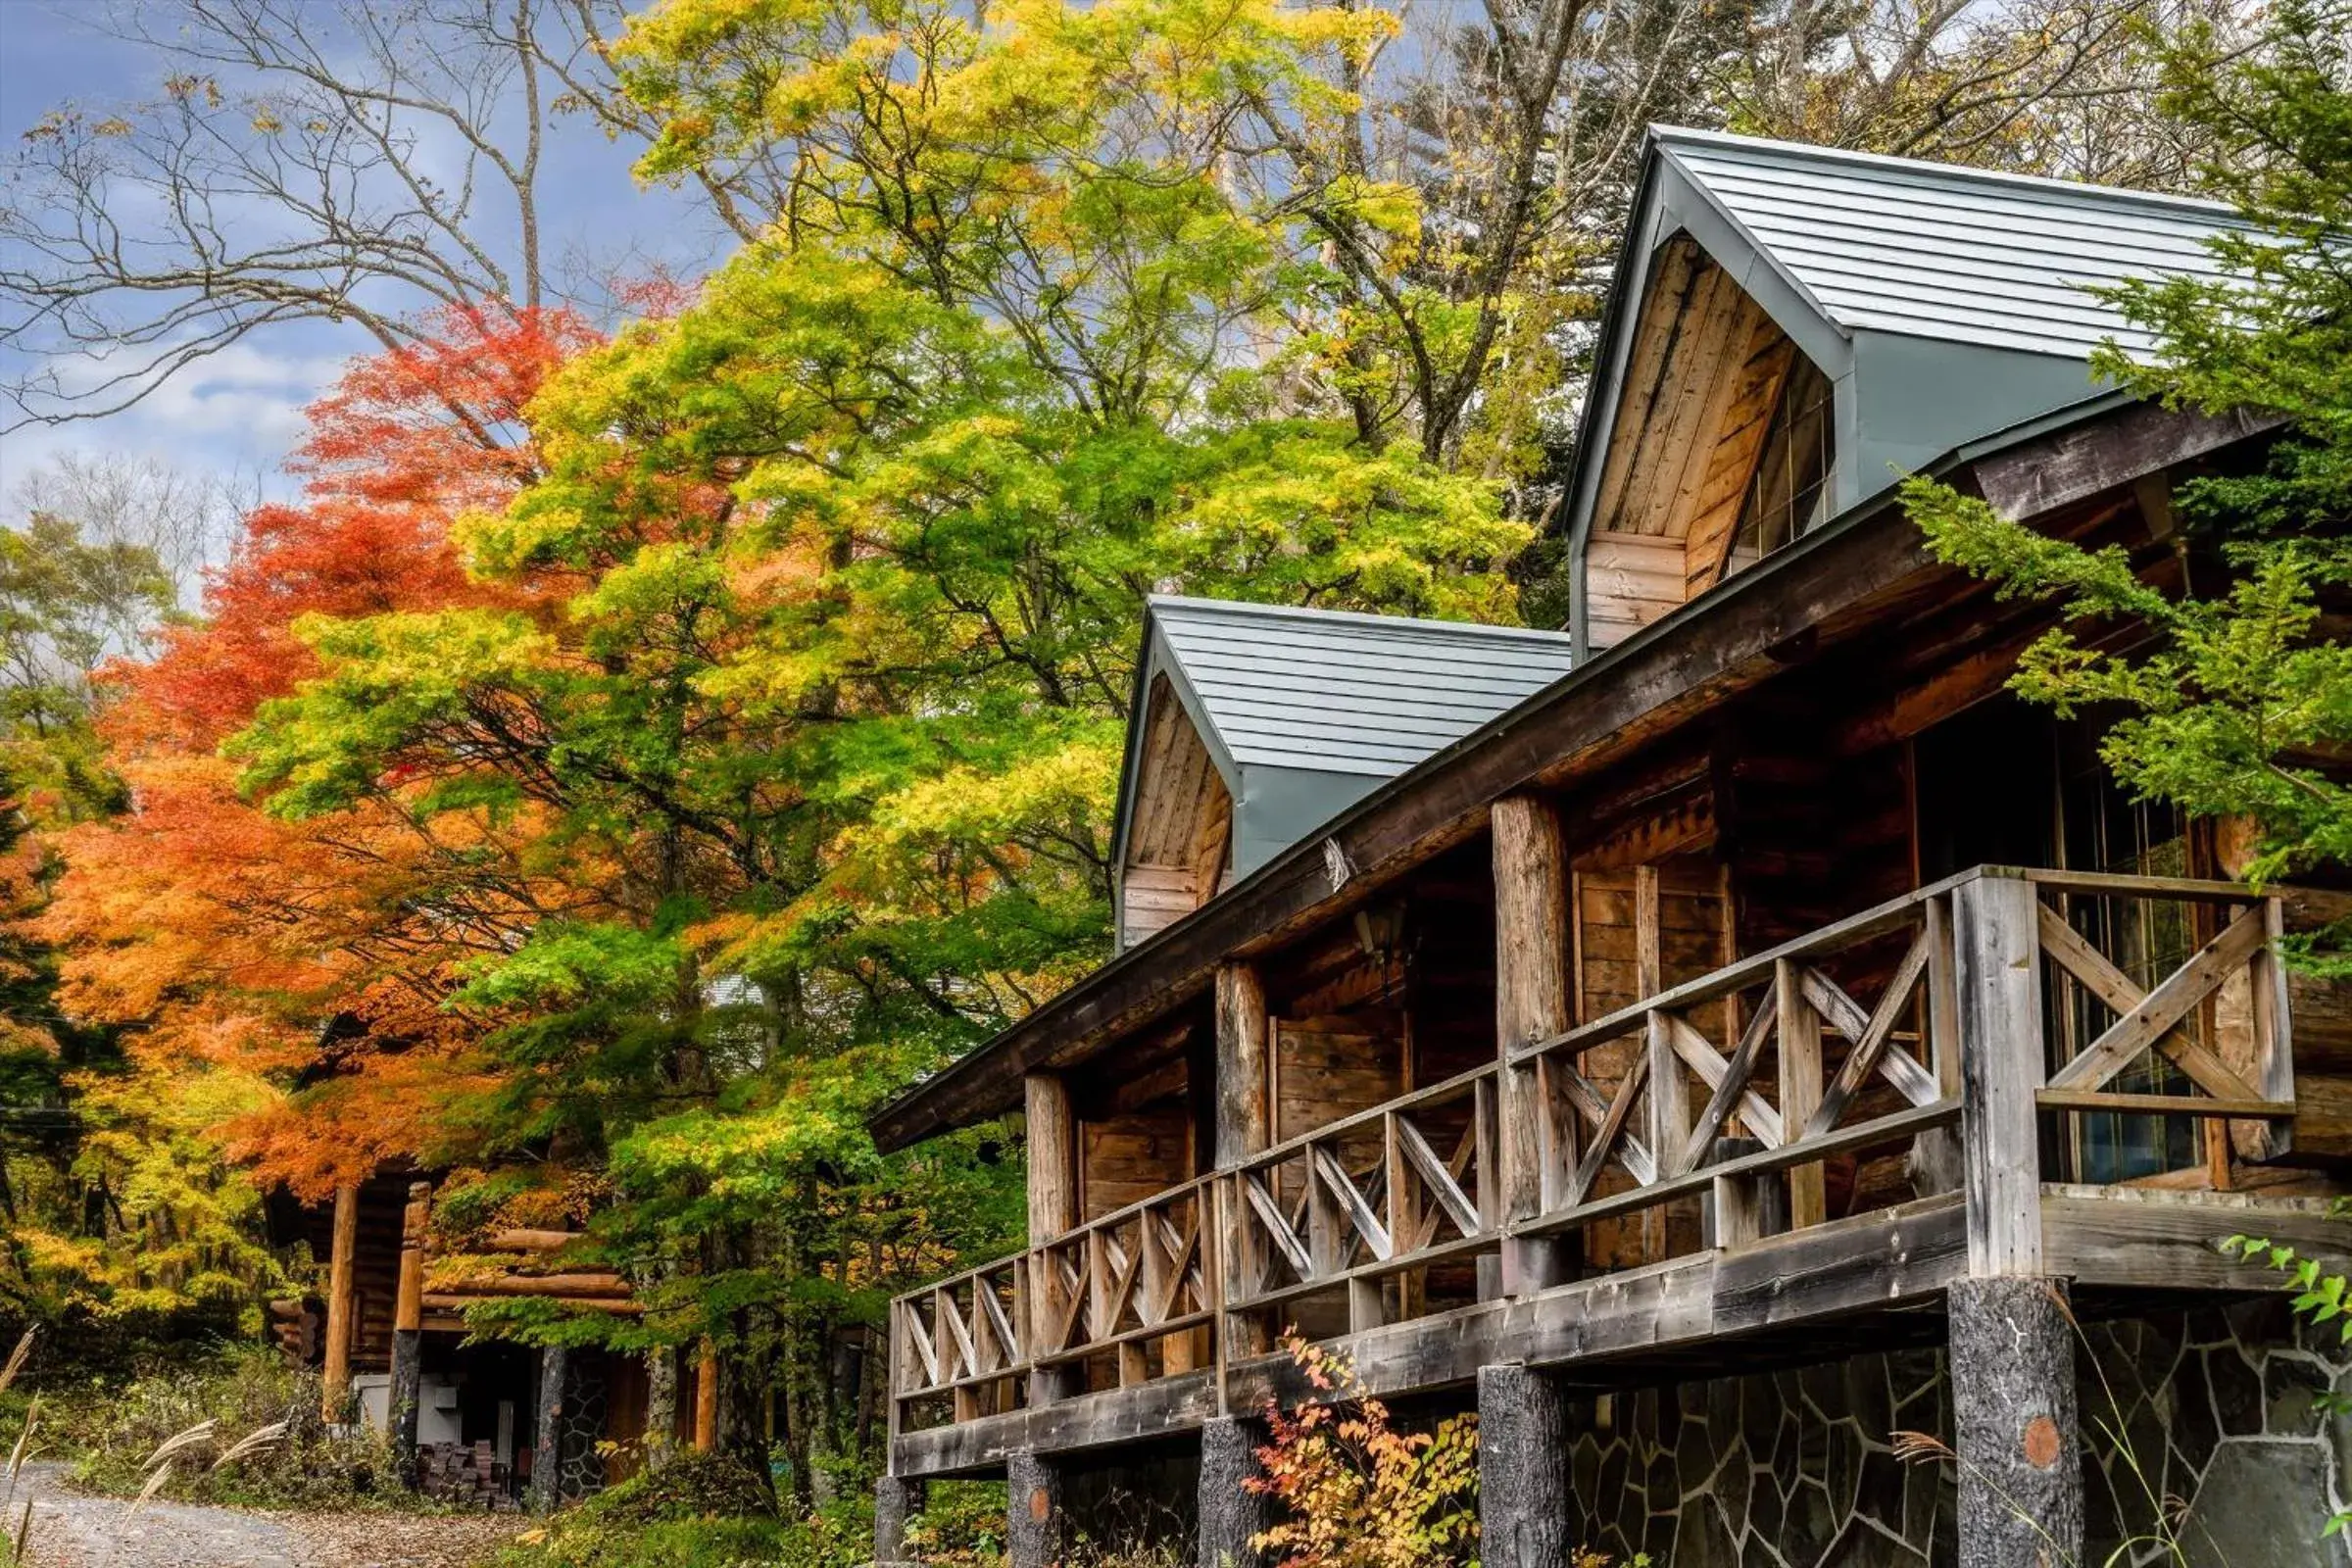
<point>1154,601</point>
<point>2053,184</point>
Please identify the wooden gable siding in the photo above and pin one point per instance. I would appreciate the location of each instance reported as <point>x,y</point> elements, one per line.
<point>1705,372</point>
<point>1182,823</point>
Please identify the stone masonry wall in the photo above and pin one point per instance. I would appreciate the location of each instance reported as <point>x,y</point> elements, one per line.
<point>2219,1410</point>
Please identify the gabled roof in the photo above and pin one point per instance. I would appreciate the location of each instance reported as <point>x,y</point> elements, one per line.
<point>1336,692</point>
<point>1932,250</point>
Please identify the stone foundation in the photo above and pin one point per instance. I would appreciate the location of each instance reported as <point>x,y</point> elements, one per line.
<point>1796,1469</point>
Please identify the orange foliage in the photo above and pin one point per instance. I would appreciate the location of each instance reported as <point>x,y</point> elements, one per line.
<point>222,934</point>
<point>407,441</point>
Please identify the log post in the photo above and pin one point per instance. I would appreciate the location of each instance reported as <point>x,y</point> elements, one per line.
<point>1053,1214</point>
<point>1244,1127</point>
<point>1230,1513</point>
<point>1999,981</point>
<point>2012,1337</point>
<point>342,1303</point>
<point>1245,1118</point>
<point>547,1438</point>
<point>1530,1003</point>
<point>407,1333</point>
<point>1034,1537</point>
<point>2012,1346</point>
<point>896,1499</point>
<point>660,1434</point>
<point>705,1399</point>
<point>1522,1469</point>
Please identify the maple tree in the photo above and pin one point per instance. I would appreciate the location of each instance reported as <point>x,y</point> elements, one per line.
<point>220,937</point>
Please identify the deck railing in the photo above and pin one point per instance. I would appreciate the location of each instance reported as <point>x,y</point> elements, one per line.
<point>1706,1116</point>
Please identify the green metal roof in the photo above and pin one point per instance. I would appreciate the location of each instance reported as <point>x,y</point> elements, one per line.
<point>1338,691</point>
<point>1935,250</point>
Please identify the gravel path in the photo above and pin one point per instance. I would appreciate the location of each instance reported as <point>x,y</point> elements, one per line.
<point>71,1530</point>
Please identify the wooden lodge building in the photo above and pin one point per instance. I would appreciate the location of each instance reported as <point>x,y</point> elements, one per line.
<point>1715,1039</point>
<point>473,1420</point>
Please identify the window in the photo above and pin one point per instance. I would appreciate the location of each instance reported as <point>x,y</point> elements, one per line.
<point>1789,491</point>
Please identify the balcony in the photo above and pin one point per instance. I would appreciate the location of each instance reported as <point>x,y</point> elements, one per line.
<point>2066,1067</point>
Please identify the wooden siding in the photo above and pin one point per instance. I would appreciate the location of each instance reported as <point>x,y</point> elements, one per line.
<point>1180,823</point>
<point>1706,372</point>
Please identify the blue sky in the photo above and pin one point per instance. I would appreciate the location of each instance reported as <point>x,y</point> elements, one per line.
<point>240,411</point>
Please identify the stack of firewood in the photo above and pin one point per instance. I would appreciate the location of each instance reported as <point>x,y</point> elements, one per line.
<point>464,1474</point>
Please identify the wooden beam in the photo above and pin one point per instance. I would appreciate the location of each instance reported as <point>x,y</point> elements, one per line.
<point>1245,1108</point>
<point>342,1303</point>
<point>1053,1158</point>
<point>1531,1002</point>
<point>407,1312</point>
<point>2076,464</point>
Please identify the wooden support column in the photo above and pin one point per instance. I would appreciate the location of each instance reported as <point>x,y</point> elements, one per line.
<point>547,1441</point>
<point>1998,982</point>
<point>2012,1352</point>
<point>342,1303</point>
<point>2012,1339</point>
<point>1231,1515</point>
<point>1530,1003</point>
<point>896,1498</point>
<point>705,1399</point>
<point>1052,1213</point>
<point>1053,1158</point>
<point>1245,1114</point>
<point>1522,1470</point>
<point>1244,1127</point>
<point>407,1333</point>
<point>1033,1533</point>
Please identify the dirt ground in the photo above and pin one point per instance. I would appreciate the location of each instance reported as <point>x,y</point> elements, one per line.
<point>70,1529</point>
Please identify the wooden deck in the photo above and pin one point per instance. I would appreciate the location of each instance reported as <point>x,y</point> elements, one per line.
<point>1646,1195</point>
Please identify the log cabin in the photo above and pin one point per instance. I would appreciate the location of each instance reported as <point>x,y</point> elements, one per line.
<point>1716,1038</point>
<point>472,1418</point>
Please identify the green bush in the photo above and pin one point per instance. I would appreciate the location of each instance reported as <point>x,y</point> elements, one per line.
<point>584,1539</point>
<point>692,1486</point>
<point>698,1511</point>
<point>962,1525</point>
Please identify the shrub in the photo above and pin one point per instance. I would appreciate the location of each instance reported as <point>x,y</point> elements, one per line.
<point>962,1525</point>
<point>241,1426</point>
<point>691,1486</point>
<point>1360,1493</point>
<point>701,1511</point>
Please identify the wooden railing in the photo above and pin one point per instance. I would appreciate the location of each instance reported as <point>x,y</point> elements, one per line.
<point>1706,1116</point>
<point>1134,1283</point>
<point>1374,1202</point>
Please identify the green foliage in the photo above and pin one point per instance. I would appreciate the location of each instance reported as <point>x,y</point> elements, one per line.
<point>113,1430</point>
<point>962,1525</point>
<point>700,1512</point>
<point>2245,685</point>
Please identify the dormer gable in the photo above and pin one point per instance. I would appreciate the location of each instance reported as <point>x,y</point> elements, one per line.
<point>1253,725</point>
<point>1794,329</point>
